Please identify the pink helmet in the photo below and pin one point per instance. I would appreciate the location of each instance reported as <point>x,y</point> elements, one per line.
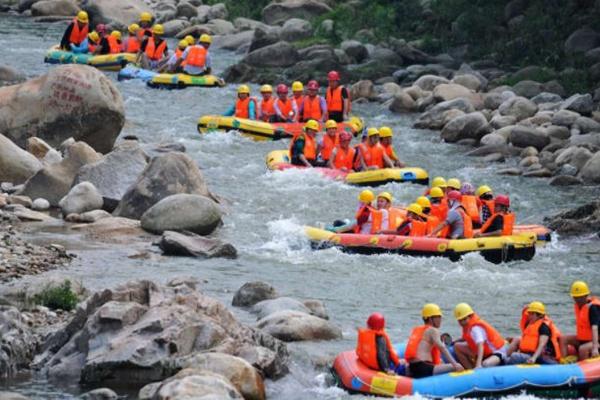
<point>345,136</point>
<point>281,88</point>
<point>502,200</point>
<point>101,29</point>
<point>313,85</point>
<point>455,195</point>
<point>467,189</point>
<point>333,76</point>
<point>376,321</point>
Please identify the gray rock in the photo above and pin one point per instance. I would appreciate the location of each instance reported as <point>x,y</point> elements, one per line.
<point>529,152</point>
<point>518,107</point>
<point>501,121</point>
<point>280,54</point>
<point>528,89</point>
<point>538,173</point>
<point>545,97</point>
<point>186,10</point>
<point>100,394</point>
<point>469,126</point>
<point>529,161</point>
<point>402,102</point>
<point>253,292</point>
<point>54,7</point>
<point>590,139</point>
<point>264,37</point>
<point>355,50</point>
<point>234,42</point>
<point>19,343</point>
<point>88,217</point>
<point>565,180</point>
<point>271,306</point>
<point>12,396</point>
<point>493,139</point>
<point>587,125</point>
<point>10,75</point>
<point>580,103</point>
<point>384,55</point>
<point>247,24</point>
<point>578,221</point>
<point>434,118</point>
<point>522,136</point>
<point>16,165</point>
<point>296,29</point>
<point>590,173</point>
<point>81,198</point>
<point>494,157</point>
<point>509,171</point>
<point>582,40</point>
<point>291,326</point>
<point>593,55</point>
<point>190,245</point>
<point>218,11</point>
<point>554,86</point>
<point>567,169</point>
<point>191,383</point>
<point>469,81</point>
<point>429,82</point>
<point>173,27</point>
<point>362,89</point>
<point>565,118</point>
<point>40,205</point>
<point>276,13</point>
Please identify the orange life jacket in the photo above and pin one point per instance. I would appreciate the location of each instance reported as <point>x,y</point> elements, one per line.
<point>78,35</point>
<point>286,107</point>
<point>467,223</point>
<point>440,210</point>
<point>114,45</point>
<point>267,108</point>
<point>133,45</point>
<point>490,204</point>
<point>196,56</point>
<point>92,46</point>
<point>395,217</point>
<point>242,107</point>
<point>335,102</point>
<point>389,150</point>
<point>415,338</point>
<point>141,33</point>
<point>299,101</point>
<point>376,219</point>
<point>531,337</point>
<point>508,222</point>
<point>344,158</point>
<point>582,320</point>
<point>312,109</point>
<point>469,202</point>
<point>328,145</point>
<point>366,347</point>
<point>153,51</point>
<point>493,336</point>
<point>432,223</point>
<point>372,155</point>
<point>418,228</point>
<point>310,147</point>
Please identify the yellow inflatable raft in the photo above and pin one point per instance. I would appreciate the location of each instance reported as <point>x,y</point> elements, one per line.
<point>257,130</point>
<point>183,80</point>
<point>108,62</point>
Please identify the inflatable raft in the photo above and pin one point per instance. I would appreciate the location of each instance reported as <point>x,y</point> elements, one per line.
<point>494,249</point>
<point>570,380</point>
<point>109,62</point>
<point>169,81</point>
<point>257,130</point>
<point>279,160</point>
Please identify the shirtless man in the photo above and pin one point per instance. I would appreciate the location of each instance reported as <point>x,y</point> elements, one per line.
<point>425,346</point>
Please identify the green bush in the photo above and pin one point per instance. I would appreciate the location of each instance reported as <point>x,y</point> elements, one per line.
<point>58,297</point>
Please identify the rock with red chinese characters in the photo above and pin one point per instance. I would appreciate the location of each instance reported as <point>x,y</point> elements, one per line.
<point>70,101</point>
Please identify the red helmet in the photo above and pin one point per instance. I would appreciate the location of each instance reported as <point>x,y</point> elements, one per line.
<point>376,321</point>
<point>333,76</point>
<point>281,88</point>
<point>455,195</point>
<point>502,200</point>
<point>345,136</point>
<point>314,85</point>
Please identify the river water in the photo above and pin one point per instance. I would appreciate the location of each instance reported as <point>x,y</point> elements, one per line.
<point>267,211</point>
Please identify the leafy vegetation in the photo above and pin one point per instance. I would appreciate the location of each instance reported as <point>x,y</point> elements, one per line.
<point>58,297</point>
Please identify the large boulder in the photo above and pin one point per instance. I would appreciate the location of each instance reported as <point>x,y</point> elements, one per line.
<point>276,13</point>
<point>165,175</point>
<point>582,220</point>
<point>70,101</point>
<point>565,118</point>
<point>450,91</point>
<point>81,198</point>
<point>19,344</point>
<point>191,245</point>
<point>234,42</point>
<point>469,126</point>
<point>280,54</point>
<point>296,29</point>
<point>546,97</point>
<point>16,165</point>
<point>271,306</point>
<point>528,89</point>
<point>191,383</point>
<point>54,7</point>
<point>403,102</point>
<point>54,181</point>
<point>363,90</point>
<point>175,26</point>
<point>435,117</point>
<point>524,136</point>
<point>253,292</point>
<point>264,37</point>
<point>518,107</point>
<point>590,173</point>
<point>115,172</point>
<point>429,82</point>
<point>291,326</point>
<point>469,81</point>
<point>117,12</point>
<point>582,40</point>
<point>186,10</point>
<point>579,103</point>
<point>355,50</point>
<point>575,156</point>
<point>183,212</point>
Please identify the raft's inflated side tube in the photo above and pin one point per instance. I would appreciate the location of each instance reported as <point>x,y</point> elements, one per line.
<point>494,249</point>
<point>280,159</point>
<point>543,233</point>
<point>109,62</point>
<point>182,81</point>
<point>558,380</point>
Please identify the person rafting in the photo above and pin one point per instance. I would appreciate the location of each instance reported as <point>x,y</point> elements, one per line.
<point>587,319</point>
<point>132,43</point>
<point>438,181</point>
<point>538,343</point>
<point>76,32</point>
<point>88,45</point>
<point>338,98</point>
<point>172,62</point>
<point>457,220</point>
<point>481,344</point>
<point>439,203</point>
<point>196,59</point>
<point>368,219</point>
<point>313,106</point>
<point>153,48</point>
<point>371,154</point>
<point>453,184</point>
<point>285,108</point>
<point>298,95</point>
<point>329,141</point>
<point>245,106</point>
<point>145,23</point>
<point>374,348</point>
<point>485,202</point>
<point>501,223</point>
<point>425,348</point>
<point>342,156</point>
<point>431,220</point>
<point>413,225</point>
<point>110,44</point>
<point>267,104</point>
<point>303,148</point>
<point>190,39</point>
<point>469,202</point>
<point>385,138</point>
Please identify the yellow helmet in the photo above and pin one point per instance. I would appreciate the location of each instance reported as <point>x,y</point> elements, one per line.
<point>579,289</point>
<point>330,124</point>
<point>243,89</point>
<point>385,131</point>
<point>158,29</point>
<point>93,36</point>
<point>82,17</point>
<point>483,189</point>
<point>133,28</point>
<point>423,202</point>
<point>116,35</point>
<point>537,307</point>
<point>415,208</point>
<point>386,195</point>
<point>183,44</point>
<point>204,38</point>
<point>462,311</point>
<point>297,86</point>
<point>145,17</point>
<point>453,183</point>
<point>372,132</point>
<point>266,89</point>
<point>366,196</point>
<point>358,122</point>
<point>431,310</point>
<point>438,181</point>
<point>190,39</point>
<point>436,193</point>
<point>311,124</point>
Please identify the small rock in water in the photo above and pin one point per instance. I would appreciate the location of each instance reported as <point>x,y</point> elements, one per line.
<point>81,198</point>
<point>41,204</point>
<point>509,171</point>
<point>100,394</point>
<point>253,292</point>
<point>565,180</point>
<point>178,244</point>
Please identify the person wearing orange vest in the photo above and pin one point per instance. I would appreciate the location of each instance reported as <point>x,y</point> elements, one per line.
<point>110,44</point>
<point>153,48</point>
<point>587,319</point>
<point>267,104</point>
<point>385,138</point>
<point>481,344</point>
<point>485,202</point>
<point>313,106</point>
<point>76,32</point>
<point>439,204</point>
<point>93,41</point>
<point>371,154</point>
<point>368,219</point>
<point>145,24</point>
<point>501,223</point>
<point>395,216</point>
<point>132,43</point>
<point>413,225</point>
<point>329,141</point>
<point>170,64</point>
<point>430,220</point>
<point>196,59</point>
<point>438,181</point>
<point>425,348</point>
<point>303,149</point>
<point>374,348</point>
<point>538,343</point>
<point>470,203</point>
<point>457,219</point>
<point>453,184</point>
<point>338,98</point>
<point>245,106</point>
<point>285,108</point>
<point>298,95</point>
<point>342,156</point>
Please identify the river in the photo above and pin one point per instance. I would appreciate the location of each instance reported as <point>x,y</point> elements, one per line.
<point>267,211</point>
